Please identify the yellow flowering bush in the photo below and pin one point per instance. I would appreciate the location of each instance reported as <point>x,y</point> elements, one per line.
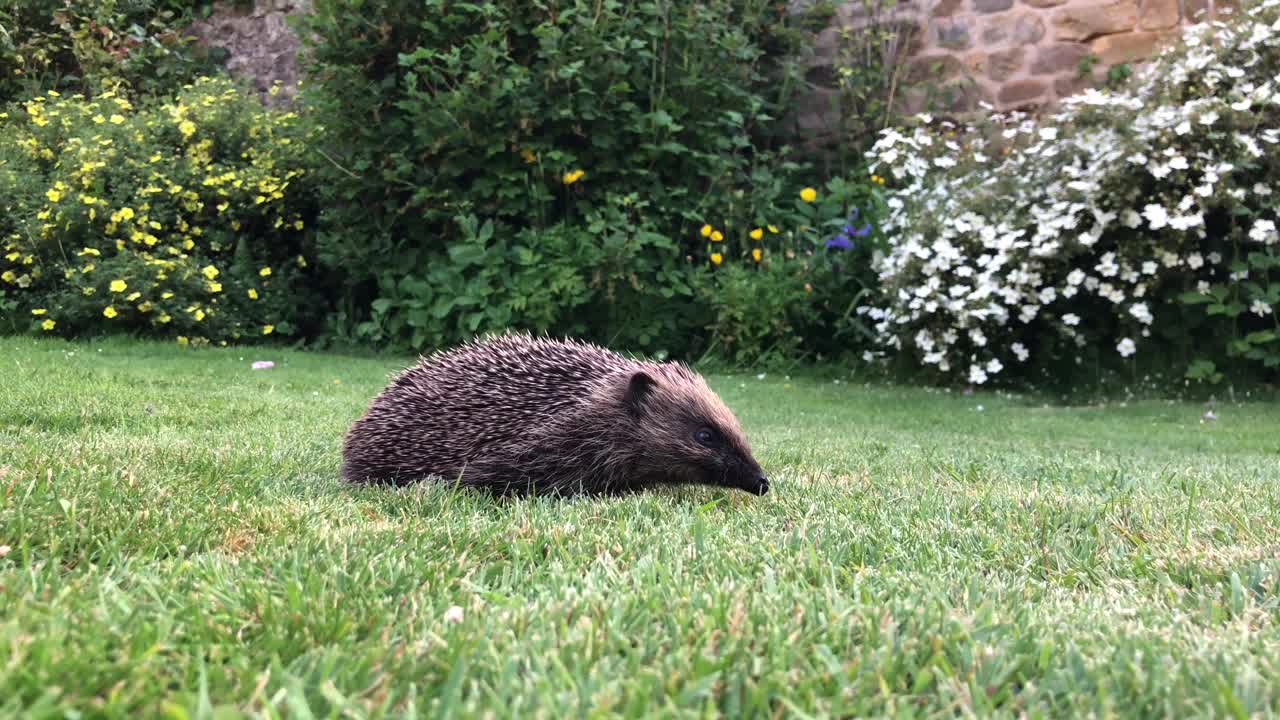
<point>183,217</point>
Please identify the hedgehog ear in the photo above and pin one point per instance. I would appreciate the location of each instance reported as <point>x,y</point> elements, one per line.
<point>638,388</point>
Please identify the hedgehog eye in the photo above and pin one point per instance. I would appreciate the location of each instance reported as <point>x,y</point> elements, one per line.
<point>704,436</point>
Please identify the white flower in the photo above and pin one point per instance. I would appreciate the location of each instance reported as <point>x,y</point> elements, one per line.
<point>453,614</point>
<point>1075,277</point>
<point>977,336</point>
<point>1157,217</point>
<point>1263,231</point>
<point>1071,319</point>
<point>1048,295</point>
<point>1195,261</point>
<point>1142,313</point>
<point>994,366</point>
<point>1179,162</point>
<point>1049,133</point>
<point>1130,219</point>
<point>977,375</point>
<point>1260,308</point>
<point>1202,287</point>
<point>1149,268</point>
<point>1020,351</point>
<point>1183,128</point>
<point>1126,347</point>
<point>1209,118</point>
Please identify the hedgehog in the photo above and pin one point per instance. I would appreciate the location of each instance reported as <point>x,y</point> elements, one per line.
<point>519,414</point>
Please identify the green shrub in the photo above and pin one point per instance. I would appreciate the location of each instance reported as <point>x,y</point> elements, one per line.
<point>185,218</point>
<point>590,139</point>
<point>128,46</point>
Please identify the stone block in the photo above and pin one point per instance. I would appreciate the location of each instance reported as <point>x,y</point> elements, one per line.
<point>1014,29</point>
<point>976,63</point>
<point>1128,47</point>
<point>1042,4</point>
<point>934,69</point>
<point>952,35</point>
<point>1087,20</point>
<point>1158,14</point>
<point>1058,58</point>
<point>1005,64</point>
<point>1069,85</point>
<point>987,7</point>
<point>1021,93</point>
<point>946,8</point>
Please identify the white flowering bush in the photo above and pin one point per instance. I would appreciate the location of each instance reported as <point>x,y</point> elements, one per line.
<point>1132,225</point>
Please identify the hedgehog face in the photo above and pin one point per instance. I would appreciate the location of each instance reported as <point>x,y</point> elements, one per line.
<point>687,434</point>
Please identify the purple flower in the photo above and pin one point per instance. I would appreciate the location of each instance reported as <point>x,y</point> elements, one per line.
<point>843,240</point>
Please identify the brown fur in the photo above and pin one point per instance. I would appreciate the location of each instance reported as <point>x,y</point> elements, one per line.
<point>515,413</point>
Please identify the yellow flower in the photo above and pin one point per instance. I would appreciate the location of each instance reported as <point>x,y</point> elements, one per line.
<point>163,318</point>
<point>756,254</point>
<point>199,315</point>
<point>302,262</point>
<point>716,236</point>
<point>126,213</point>
<point>133,296</point>
<point>268,329</point>
<point>773,229</point>
<point>38,311</point>
<point>144,307</point>
<point>117,119</point>
<point>187,128</point>
<point>110,311</point>
<point>182,340</point>
<point>716,258</point>
<point>298,225</point>
<point>8,276</point>
<point>573,177</point>
<point>187,244</point>
<point>757,234</point>
<point>253,294</point>
<point>528,155</point>
<point>89,251</point>
<point>265,272</point>
<point>48,325</point>
<point>13,256</point>
<point>166,296</point>
<point>210,272</point>
<point>808,194</point>
<point>215,287</point>
<point>706,230</point>
<point>118,285</point>
<point>53,195</point>
<point>98,119</point>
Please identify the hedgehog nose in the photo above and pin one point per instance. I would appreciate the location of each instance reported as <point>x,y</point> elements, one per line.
<point>761,484</point>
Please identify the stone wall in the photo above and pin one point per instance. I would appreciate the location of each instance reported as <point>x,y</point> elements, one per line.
<point>261,45</point>
<point>1009,53</point>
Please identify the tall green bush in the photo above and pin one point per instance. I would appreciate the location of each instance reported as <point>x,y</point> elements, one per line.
<point>544,165</point>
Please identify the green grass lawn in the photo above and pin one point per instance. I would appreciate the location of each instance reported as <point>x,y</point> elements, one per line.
<point>179,541</point>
